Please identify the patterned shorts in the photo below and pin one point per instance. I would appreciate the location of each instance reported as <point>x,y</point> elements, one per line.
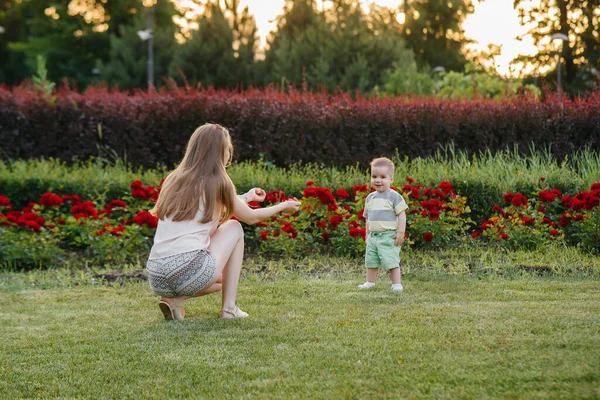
<point>182,274</point>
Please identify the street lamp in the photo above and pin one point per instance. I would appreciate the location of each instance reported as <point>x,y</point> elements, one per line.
<point>148,35</point>
<point>2,30</point>
<point>563,38</point>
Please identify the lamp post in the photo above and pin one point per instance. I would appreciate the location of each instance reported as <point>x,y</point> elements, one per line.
<point>563,38</point>
<point>148,35</point>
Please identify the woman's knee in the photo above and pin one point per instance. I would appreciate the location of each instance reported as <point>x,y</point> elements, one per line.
<point>234,228</point>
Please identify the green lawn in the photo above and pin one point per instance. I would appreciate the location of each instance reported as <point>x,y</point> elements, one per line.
<point>307,337</point>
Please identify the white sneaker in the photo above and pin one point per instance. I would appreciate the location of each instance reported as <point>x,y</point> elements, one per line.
<point>397,287</point>
<point>367,285</point>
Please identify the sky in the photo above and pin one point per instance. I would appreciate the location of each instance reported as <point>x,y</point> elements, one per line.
<point>493,22</point>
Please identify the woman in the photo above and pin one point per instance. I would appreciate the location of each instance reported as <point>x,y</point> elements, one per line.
<point>196,243</point>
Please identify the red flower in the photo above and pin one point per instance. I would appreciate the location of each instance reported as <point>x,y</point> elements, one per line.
<point>427,237</point>
<point>431,204</point>
<point>475,234</point>
<point>548,221</point>
<point>554,232</point>
<point>503,236</point>
<point>156,193</point>
<point>518,200</point>
<point>310,183</point>
<point>413,191</point>
<point>5,202</point>
<point>434,214</point>
<point>139,193</point>
<point>264,235</point>
<point>361,215</point>
<point>49,199</point>
<point>577,204</point>
<point>542,179</point>
<point>117,231</point>
<point>325,236</point>
<point>114,204</point>
<point>342,194</point>
<point>34,226</point>
<point>335,220</point>
<point>275,197</point>
<point>145,218</point>
<point>446,187</point>
<point>276,233</point>
<point>527,221</point>
<point>359,188</point>
<point>85,209</point>
<point>595,186</point>
<point>498,209</point>
<point>409,180</point>
<point>72,198</point>
<point>547,196</point>
<point>28,217</point>
<point>136,185</point>
<point>565,218</point>
<point>507,197</point>
<point>321,224</point>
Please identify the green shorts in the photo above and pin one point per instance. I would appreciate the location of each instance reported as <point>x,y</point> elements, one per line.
<point>382,251</point>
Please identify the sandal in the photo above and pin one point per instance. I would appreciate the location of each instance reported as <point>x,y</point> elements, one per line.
<point>171,313</point>
<point>235,313</point>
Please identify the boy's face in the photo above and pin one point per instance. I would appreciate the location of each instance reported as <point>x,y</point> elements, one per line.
<point>381,178</point>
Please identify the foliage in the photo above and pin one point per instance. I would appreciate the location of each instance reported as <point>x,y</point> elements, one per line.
<point>406,79</point>
<point>433,30</point>
<point>40,80</point>
<point>580,22</point>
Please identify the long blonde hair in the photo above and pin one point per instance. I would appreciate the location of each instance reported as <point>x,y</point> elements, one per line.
<point>200,178</point>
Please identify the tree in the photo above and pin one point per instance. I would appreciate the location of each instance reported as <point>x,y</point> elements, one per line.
<point>221,51</point>
<point>580,22</point>
<point>298,43</point>
<point>433,30</point>
<point>127,63</point>
<point>208,56</point>
<point>70,44</point>
<point>341,47</point>
<point>13,68</point>
<point>245,41</point>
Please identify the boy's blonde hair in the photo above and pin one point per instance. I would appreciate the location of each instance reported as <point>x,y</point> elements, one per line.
<point>200,178</point>
<point>383,162</point>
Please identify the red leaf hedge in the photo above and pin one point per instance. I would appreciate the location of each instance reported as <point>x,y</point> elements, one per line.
<point>153,128</point>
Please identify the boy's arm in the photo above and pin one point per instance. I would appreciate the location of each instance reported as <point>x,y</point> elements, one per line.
<point>401,229</point>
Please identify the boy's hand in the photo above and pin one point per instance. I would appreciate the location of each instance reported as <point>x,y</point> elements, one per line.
<point>399,238</point>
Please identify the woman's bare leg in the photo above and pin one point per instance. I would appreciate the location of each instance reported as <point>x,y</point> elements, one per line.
<point>227,246</point>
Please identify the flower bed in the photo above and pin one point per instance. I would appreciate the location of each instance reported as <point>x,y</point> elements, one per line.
<point>62,229</point>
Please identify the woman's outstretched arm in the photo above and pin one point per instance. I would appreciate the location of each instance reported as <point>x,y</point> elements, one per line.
<point>250,216</point>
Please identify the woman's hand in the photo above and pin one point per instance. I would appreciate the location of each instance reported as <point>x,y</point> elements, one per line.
<point>290,206</point>
<point>255,194</point>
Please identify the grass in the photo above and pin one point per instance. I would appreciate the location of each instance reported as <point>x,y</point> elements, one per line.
<point>309,336</point>
<point>509,170</point>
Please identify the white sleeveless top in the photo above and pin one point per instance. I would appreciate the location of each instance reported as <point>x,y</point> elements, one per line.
<point>176,237</point>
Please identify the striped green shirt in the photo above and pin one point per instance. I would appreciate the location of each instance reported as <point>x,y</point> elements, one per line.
<point>382,209</point>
